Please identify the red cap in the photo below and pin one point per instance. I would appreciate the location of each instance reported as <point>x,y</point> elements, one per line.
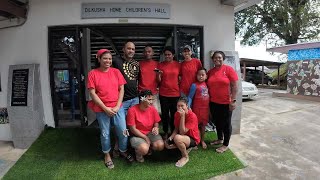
<point>101,51</point>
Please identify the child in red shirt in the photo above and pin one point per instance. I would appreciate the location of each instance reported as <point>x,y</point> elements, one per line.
<point>199,98</point>
<point>186,133</point>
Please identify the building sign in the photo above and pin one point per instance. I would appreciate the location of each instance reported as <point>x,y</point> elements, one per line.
<point>125,10</point>
<point>19,95</point>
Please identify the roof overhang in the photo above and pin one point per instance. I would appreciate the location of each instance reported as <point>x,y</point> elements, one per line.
<point>12,12</point>
<point>286,48</point>
<point>258,62</point>
<point>240,4</point>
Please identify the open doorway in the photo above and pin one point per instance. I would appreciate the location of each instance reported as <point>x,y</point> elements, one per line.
<point>72,52</point>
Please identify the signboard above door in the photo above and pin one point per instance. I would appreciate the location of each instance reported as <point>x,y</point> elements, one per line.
<point>125,10</point>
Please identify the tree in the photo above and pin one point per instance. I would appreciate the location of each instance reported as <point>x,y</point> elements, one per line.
<point>289,21</point>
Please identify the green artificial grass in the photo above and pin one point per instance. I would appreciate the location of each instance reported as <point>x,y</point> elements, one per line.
<point>75,154</point>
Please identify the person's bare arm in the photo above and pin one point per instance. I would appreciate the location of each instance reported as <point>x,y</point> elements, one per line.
<point>97,101</point>
<point>234,91</point>
<point>182,127</point>
<point>120,99</point>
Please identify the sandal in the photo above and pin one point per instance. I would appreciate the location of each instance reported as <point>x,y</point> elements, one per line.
<point>181,164</point>
<point>222,149</point>
<point>109,164</point>
<point>139,158</point>
<point>216,142</point>
<point>127,156</point>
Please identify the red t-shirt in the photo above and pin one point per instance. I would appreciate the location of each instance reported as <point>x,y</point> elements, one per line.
<point>106,85</point>
<point>169,85</point>
<point>189,71</point>
<point>191,123</point>
<point>147,76</point>
<point>219,83</point>
<point>201,96</point>
<point>143,120</point>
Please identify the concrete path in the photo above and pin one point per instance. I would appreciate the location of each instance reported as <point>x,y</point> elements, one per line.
<point>279,139</point>
<point>8,156</point>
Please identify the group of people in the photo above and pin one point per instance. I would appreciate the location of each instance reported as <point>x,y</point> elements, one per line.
<point>125,95</point>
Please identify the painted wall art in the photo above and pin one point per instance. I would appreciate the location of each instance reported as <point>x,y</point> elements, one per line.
<point>304,77</point>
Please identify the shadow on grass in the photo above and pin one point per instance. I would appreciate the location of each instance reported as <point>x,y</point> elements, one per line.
<point>75,154</point>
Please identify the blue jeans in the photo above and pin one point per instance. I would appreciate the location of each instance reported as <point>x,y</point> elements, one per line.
<point>119,121</point>
<point>129,103</point>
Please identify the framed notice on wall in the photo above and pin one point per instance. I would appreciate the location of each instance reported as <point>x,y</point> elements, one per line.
<point>19,95</point>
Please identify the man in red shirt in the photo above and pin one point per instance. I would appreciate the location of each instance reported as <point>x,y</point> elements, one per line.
<point>143,122</point>
<point>147,75</point>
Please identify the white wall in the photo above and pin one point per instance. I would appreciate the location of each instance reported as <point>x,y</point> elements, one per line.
<point>28,43</point>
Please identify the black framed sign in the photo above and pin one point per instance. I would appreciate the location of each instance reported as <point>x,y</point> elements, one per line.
<point>19,95</point>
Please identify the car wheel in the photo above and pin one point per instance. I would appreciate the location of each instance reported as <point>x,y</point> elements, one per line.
<point>269,83</point>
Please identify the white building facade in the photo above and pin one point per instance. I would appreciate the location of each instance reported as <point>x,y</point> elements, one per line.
<point>29,43</point>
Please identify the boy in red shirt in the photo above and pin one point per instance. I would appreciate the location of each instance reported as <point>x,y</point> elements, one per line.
<point>147,75</point>
<point>143,122</point>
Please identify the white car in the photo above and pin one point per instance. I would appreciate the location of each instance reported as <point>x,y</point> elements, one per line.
<point>249,90</point>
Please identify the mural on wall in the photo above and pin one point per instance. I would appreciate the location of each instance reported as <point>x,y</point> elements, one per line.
<point>4,119</point>
<point>304,77</point>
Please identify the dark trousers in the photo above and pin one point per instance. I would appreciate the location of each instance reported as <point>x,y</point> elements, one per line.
<point>221,116</point>
<point>168,109</point>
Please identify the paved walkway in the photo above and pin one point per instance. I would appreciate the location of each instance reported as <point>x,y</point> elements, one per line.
<point>279,139</point>
<point>8,156</point>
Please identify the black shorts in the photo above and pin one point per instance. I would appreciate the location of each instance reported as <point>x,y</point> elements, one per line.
<point>192,142</point>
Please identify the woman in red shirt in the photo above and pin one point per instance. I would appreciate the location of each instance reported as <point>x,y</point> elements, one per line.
<point>168,78</point>
<point>143,121</point>
<point>186,132</point>
<point>189,69</point>
<point>222,85</point>
<point>106,88</point>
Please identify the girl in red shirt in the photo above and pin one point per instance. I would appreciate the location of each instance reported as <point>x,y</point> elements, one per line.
<point>169,93</point>
<point>222,84</point>
<point>199,97</point>
<point>186,133</point>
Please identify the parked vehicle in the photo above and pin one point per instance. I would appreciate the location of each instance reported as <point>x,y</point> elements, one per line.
<point>249,90</point>
<point>255,77</point>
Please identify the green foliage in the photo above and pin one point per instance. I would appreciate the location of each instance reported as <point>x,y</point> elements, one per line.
<point>287,20</point>
<point>75,154</point>
<point>282,72</point>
